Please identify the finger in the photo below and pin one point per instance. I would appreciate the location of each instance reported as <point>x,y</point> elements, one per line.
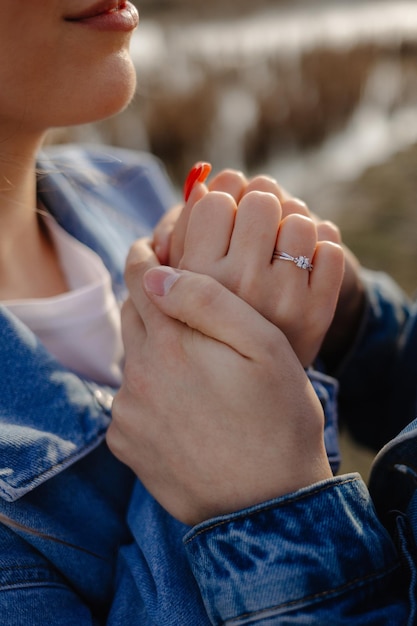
<point>327,275</point>
<point>132,326</point>
<point>163,233</point>
<point>297,237</point>
<point>229,181</point>
<point>209,230</point>
<point>268,185</point>
<point>179,232</point>
<point>254,235</point>
<point>139,260</point>
<point>205,305</point>
<point>295,206</point>
<point>327,231</point>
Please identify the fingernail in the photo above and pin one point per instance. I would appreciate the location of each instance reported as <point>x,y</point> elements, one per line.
<point>198,172</point>
<point>159,280</point>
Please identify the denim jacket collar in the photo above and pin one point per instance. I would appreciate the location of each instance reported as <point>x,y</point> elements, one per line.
<point>63,193</point>
<point>393,479</point>
<point>49,417</point>
<point>104,198</point>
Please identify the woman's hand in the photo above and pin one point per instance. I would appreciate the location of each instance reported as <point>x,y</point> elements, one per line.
<point>232,235</point>
<point>170,245</point>
<point>169,234</point>
<point>237,245</point>
<point>215,412</point>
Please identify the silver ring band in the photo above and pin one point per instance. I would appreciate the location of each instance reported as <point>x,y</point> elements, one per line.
<point>303,262</point>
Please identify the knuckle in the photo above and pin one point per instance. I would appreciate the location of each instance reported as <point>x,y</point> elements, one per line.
<point>232,174</point>
<point>133,267</point>
<point>265,183</point>
<point>260,208</point>
<point>296,206</point>
<point>302,225</point>
<point>298,220</point>
<point>228,177</point>
<point>331,252</point>
<point>261,198</point>
<point>329,231</point>
<point>138,259</point>
<point>207,294</point>
<point>214,199</point>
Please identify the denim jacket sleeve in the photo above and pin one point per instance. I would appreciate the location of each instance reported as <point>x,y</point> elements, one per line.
<point>319,556</point>
<point>378,378</point>
<point>322,555</point>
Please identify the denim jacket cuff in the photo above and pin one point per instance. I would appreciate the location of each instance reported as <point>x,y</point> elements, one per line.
<point>327,389</point>
<point>290,553</point>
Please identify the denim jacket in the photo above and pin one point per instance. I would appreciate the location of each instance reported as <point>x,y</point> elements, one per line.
<point>65,493</point>
<point>89,545</point>
<point>337,552</point>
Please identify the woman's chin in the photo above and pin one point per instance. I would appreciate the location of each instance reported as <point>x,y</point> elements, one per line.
<point>111,102</point>
<point>109,107</point>
<point>104,94</point>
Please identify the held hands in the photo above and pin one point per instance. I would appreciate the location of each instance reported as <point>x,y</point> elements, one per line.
<point>230,232</point>
<point>215,412</point>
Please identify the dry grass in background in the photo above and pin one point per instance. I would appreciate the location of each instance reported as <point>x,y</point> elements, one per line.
<point>290,104</point>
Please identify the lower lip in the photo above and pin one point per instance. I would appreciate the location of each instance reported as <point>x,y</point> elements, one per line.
<point>123,20</point>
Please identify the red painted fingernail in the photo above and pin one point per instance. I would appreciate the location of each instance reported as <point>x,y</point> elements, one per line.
<point>198,172</point>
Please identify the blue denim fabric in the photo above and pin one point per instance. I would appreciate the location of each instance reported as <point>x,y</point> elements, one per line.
<point>319,556</point>
<point>315,557</point>
<point>155,584</point>
<point>326,389</point>
<point>105,199</point>
<point>57,477</point>
<point>378,380</point>
<point>334,553</point>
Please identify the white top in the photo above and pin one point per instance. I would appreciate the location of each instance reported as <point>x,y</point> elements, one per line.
<point>81,328</point>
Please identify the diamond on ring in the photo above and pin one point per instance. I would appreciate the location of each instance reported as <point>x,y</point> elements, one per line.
<point>303,262</point>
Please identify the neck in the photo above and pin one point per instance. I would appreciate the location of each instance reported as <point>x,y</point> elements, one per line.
<point>29,266</point>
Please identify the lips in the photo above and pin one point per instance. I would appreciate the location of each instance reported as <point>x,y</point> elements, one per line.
<point>99,8</point>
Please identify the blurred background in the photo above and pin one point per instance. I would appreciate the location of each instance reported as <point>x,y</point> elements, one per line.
<point>321,95</point>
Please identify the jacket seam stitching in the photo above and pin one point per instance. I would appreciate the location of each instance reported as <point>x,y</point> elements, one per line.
<point>269,507</point>
<point>322,594</point>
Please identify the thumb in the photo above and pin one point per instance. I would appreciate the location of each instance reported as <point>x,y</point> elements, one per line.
<point>204,305</point>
